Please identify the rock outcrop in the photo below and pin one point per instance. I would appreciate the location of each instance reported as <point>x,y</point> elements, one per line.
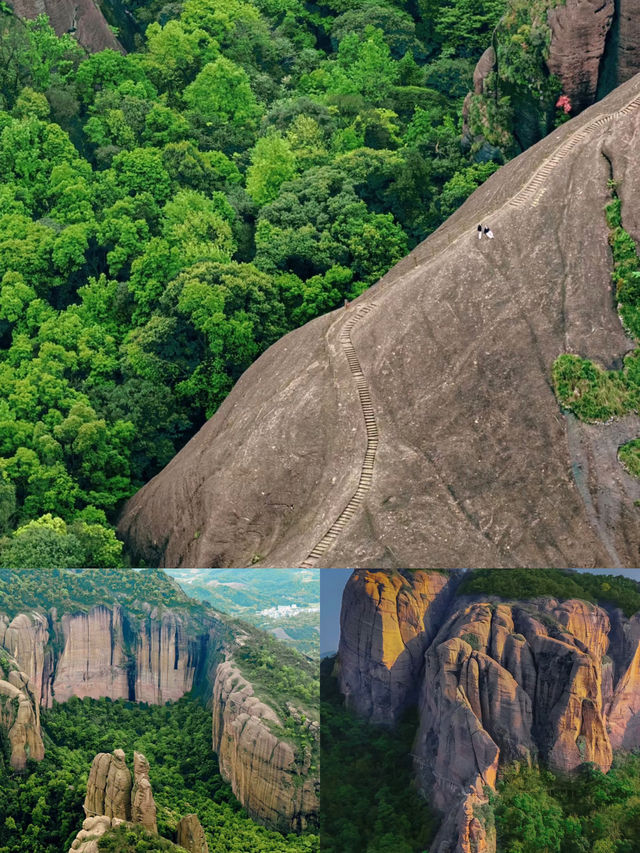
<point>82,18</point>
<point>93,828</point>
<point>190,835</point>
<point>498,682</point>
<point>19,715</point>
<point>112,800</point>
<point>143,806</point>
<point>388,621</point>
<point>579,31</point>
<point>271,777</point>
<point>107,652</point>
<point>109,787</point>
<point>476,464</point>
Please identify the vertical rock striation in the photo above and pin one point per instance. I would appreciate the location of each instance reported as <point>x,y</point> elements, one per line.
<point>270,777</point>
<point>387,621</point>
<point>109,786</point>
<point>497,682</point>
<point>106,652</point>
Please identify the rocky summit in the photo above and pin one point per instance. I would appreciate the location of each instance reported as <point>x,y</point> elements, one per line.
<point>418,426</point>
<point>495,682</point>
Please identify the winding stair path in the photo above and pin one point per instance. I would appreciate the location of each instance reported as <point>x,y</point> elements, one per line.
<point>531,192</point>
<point>366,469</point>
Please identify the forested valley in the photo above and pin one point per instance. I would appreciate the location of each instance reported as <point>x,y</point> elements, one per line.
<point>44,806</point>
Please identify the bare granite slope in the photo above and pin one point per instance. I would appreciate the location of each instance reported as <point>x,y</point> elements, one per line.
<point>471,462</point>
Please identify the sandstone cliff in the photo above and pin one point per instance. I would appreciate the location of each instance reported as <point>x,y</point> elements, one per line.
<point>82,18</point>
<point>498,682</point>
<point>463,456</point>
<point>19,714</point>
<point>274,779</point>
<point>108,652</point>
<point>388,621</point>
<point>155,657</point>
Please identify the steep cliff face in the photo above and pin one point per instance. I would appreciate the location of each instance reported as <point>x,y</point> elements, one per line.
<point>270,776</point>
<point>107,652</point>
<point>82,18</point>
<point>579,31</point>
<point>19,714</point>
<point>498,682</point>
<point>388,620</point>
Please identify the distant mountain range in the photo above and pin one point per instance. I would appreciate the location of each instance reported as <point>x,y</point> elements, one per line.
<point>285,602</point>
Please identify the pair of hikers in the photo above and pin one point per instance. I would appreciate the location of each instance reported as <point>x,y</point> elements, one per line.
<point>487,232</point>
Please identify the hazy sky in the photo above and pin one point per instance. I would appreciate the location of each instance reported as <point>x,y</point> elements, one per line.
<point>332,582</point>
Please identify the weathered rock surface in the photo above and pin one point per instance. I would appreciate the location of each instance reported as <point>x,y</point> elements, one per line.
<point>191,835</point>
<point>476,464</point>
<point>19,715</point>
<point>623,708</point>
<point>143,806</point>
<point>82,18</point>
<point>268,775</point>
<point>109,786</point>
<point>499,682</point>
<point>387,622</point>
<point>628,45</point>
<point>106,652</point>
<point>578,35</point>
<point>93,828</point>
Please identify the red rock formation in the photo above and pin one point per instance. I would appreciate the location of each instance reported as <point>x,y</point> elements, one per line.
<point>82,18</point>
<point>109,786</point>
<point>388,620</point>
<point>143,806</point>
<point>273,782</point>
<point>157,665</point>
<point>501,682</point>
<point>578,33</point>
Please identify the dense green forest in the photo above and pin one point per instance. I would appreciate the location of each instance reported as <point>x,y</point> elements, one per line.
<point>519,584</point>
<point>369,802</point>
<point>44,807</point>
<point>69,590</point>
<point>168,214</point>
<point>537,811</point>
